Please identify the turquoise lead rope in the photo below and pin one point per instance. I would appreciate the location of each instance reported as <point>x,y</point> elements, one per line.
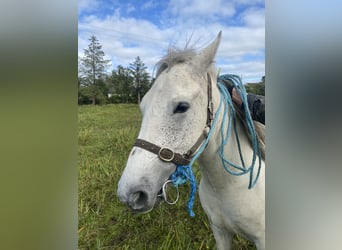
<point>239,170</point>
<point>184,174</point>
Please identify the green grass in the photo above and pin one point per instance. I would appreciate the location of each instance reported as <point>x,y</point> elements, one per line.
<point>105,136</point>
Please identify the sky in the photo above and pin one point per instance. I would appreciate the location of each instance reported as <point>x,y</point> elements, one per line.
<point>130,28</point>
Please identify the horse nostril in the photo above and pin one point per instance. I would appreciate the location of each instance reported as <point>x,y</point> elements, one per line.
<point>138,200</point>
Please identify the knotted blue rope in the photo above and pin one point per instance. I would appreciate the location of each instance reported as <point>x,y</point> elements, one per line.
<point>180,177</point>
<point>239,170</point>
<point>185,173</point>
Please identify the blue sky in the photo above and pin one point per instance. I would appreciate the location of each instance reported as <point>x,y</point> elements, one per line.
<point>128,28</point>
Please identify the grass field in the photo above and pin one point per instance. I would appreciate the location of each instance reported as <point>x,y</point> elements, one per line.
<point>105,136</point>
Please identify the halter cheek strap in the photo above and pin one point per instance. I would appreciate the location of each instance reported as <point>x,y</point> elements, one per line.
<point>167,154</point>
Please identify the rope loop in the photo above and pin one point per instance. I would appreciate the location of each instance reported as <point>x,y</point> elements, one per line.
<point>238,170</point>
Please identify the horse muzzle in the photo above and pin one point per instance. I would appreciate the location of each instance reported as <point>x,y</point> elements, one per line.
<point>139,200</point>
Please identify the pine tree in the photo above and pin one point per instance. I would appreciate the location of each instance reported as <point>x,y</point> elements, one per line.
<point>121,83</point>
<point>141,79</point>
<point>92,68</point>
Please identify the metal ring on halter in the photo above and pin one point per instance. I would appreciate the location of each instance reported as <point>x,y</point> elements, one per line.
<point>164,195</point>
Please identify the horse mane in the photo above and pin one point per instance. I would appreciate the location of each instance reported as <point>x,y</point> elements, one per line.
<point>173,57</point>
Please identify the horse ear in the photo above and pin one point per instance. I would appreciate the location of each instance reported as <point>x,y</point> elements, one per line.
<point>207,55</point>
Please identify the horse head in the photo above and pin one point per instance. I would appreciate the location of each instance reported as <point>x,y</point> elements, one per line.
<point>174,116</point>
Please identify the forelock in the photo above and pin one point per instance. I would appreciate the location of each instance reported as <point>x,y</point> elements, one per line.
<point>173,57</point>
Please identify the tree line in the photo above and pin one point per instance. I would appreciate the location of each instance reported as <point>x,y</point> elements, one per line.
<point>123,85</point>
<point>256,88</point>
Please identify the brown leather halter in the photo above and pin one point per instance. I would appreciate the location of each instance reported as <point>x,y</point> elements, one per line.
<point>168,155</point>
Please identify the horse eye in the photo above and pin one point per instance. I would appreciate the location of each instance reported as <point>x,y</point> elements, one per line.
<point>182,107</point>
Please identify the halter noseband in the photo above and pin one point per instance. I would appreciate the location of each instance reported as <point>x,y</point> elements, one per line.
<point>168,155</point>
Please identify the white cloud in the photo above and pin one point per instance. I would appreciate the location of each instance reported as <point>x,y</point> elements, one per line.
<point>147,5</point>
<point>87,5</point>
<point>193,8</point>
<point>124,38</point>
<point>249,2</point>
<point>130,8</point>
<point>239,41</point>
<point>254,17</point>
<point>251,71</point>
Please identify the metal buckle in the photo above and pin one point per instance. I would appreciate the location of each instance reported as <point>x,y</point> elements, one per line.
<point>166,154</point>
